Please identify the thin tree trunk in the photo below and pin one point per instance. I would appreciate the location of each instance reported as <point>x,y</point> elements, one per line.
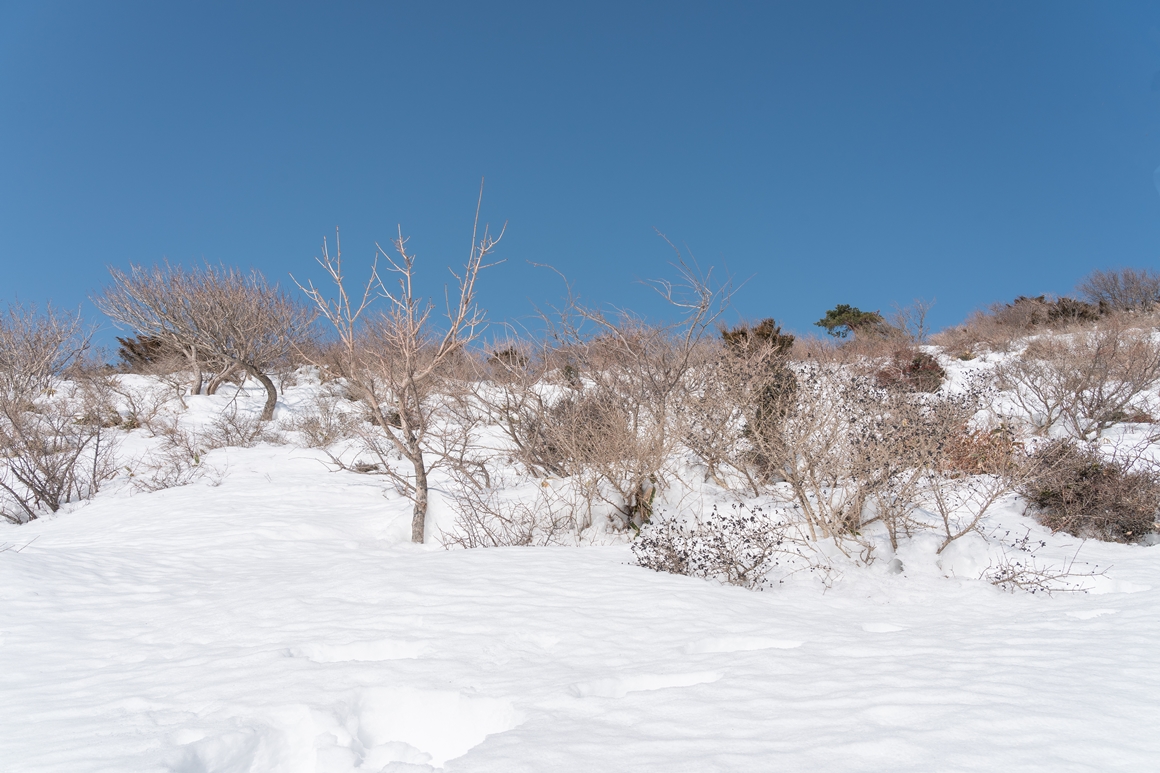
<point>195,388</point>
<point>419,519</point>
<point>216,382</point>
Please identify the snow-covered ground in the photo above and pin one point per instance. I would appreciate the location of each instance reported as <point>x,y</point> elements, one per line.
<point>281,621</point>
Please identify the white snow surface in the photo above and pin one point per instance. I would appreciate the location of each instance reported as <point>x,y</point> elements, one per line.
<point>281,621</point>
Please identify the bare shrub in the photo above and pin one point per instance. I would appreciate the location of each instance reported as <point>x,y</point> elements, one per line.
<point>741,546</point>
<point>215,315</point>
<point>1004,325</point>
<point>911,321</point>
<point>811,447</point>
<point>522,403</point>
<point>52,454</point>
<point>1075,489</point>
<point>742,393</point>
<point>606,398</point>
<point>179,461</point>
<point>1123,289</point>
<point>170,468</point>
<point>323,422</point>
<point>1019,569</point>
<point>962,499</point>
<point>36,348</point>
<point>235,428</point>
<point>899,448</point>
<point>1086,381</point>
<point>1030,313</point>
<point>487,517</point>
<point>55,444</point>
<point>632,389</point>
<point>851,453</point>
<point>141,405</point>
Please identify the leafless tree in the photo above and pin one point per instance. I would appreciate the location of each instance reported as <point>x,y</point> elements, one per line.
<point>396,360</point>
<point>214,314</point>
<point>1122,289</point>
<point>911,321</point>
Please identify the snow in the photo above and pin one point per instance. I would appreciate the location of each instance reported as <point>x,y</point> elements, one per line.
<point>281,621</point>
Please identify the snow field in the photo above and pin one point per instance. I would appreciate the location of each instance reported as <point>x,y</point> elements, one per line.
<point>273,616</point>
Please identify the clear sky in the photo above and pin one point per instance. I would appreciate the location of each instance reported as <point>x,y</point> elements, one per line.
<point>826,152</point>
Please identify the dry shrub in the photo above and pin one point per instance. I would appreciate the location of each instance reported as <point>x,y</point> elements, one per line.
<point>979,451</point>
<point>149,355</point>
<point>1003,325</point>
<point>324,421</point>
<point>171,467</point>
<point>232,427</point>
<point>1075,489</point>
<point>1086,381</point>
<point>742,386</point>
<point>142,406</point>
<point>487,517</point>
<point>617,433</point>
<point>624,395</point>
<point>911,370</point>
<point>852,453</point>
<point>1019,569</point>
<point>808,443</point>
<point>901,446</point>
<point>179,461</point>
<point>398,361</point>
<point>54,451</point>
<point>55,444</point>
<point>741,546</point>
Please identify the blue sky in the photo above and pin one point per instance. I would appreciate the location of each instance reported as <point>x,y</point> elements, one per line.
<point>823,153</point>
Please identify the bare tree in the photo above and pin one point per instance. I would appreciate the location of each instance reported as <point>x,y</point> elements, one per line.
<point>912,321</point>
<point>214,314</point>
<point>395,360</point>
<point>1122,289</point>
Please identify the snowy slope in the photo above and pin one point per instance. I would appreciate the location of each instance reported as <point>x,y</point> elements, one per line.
<point>280,622</point>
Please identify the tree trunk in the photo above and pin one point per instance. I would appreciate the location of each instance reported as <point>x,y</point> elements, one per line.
<point>271,391</point>
<point>419,519</point>
<point>195,388</point>
<point>216,382</point>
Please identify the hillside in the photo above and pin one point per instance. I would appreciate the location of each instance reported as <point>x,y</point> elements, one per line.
<point>272,615</point>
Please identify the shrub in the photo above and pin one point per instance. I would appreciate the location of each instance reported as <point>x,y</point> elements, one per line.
<point>911,370</point>
<point>762,382</point>
<point>1074,489</point>
<point>1088,380</point>
<point>1003,324</point>
<point>979,452</point>
<point>487,516</point>
<point>507,360</point>
<point>54,447</point>
<point>1027,313</point>
<point>740,546</point>
<point>324,422</point>
<point>765,335</point>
